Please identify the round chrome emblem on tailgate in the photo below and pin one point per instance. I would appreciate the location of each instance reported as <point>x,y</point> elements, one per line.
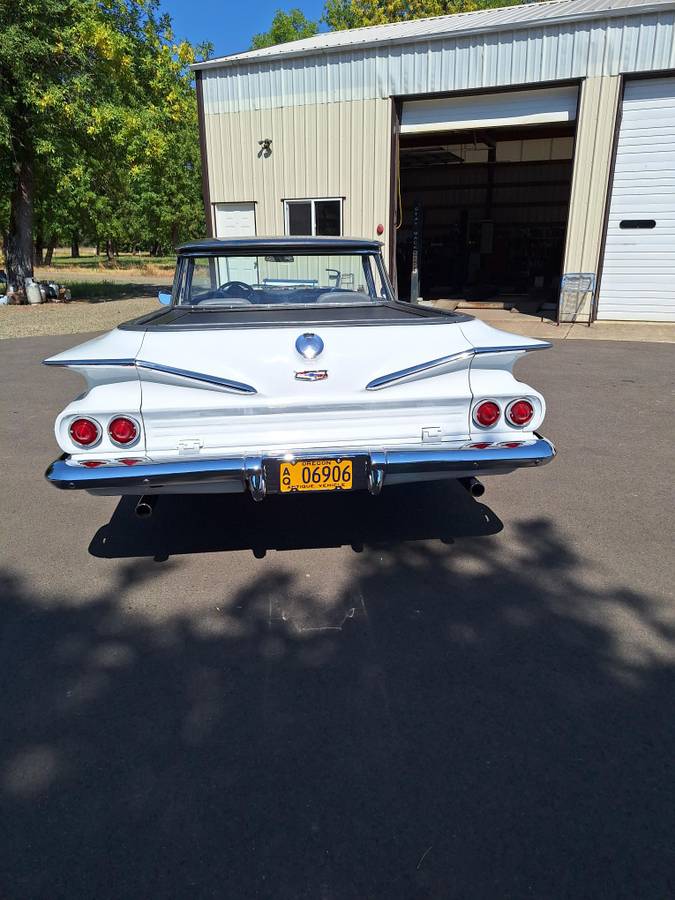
<point>309,345</point>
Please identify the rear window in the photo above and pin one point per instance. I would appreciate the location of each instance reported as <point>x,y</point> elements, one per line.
<point>281,279</point>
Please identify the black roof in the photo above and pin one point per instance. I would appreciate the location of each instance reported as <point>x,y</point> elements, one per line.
<point>273,245</point>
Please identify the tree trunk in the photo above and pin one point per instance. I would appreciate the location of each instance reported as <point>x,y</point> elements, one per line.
<point>39,245</point>
<point>50,250</point>
<point>19,246</point>
<point>109,250</point>
<point>75,245</point>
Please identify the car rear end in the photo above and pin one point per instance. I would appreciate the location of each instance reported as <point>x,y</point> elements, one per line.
<point>319,381</point>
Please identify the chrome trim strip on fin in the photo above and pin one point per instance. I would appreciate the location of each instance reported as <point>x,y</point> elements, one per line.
<point>88,362</point>
<point>236,387</point>
<point>393,377</point>
<point>514,348</point>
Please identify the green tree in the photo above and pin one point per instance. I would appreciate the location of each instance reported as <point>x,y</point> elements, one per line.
<point>32,61</point>
<point>341,14</point>
<point>286,26</point>
<point>98,130</point>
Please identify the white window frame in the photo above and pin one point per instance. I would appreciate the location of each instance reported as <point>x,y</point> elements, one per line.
<point>312,201</point>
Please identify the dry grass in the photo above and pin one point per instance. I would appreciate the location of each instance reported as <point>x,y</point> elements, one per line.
<point>65,270</point>
<point>133,263</point>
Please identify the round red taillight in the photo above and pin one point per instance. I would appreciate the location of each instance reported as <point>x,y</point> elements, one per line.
<point>122,430</point>
<point>519,412</point>
<point>84,432</point>
<point>486,414</point>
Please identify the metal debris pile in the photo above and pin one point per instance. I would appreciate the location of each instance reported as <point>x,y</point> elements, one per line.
<point>34,292</point>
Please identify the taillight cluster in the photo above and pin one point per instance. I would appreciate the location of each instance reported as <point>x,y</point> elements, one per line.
<point>487,414</point>
<point>122,431</point>
<point>96,463</point>
<point>85,432</point>
<point>518,413</point>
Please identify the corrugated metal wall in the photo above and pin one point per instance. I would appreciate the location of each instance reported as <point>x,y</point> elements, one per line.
<point>329,114</point>
<point>592,162</point>
<point>320,150</point>
<point>564,50</point>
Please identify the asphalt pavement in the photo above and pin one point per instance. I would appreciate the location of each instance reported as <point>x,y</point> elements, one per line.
<point>414,696</point>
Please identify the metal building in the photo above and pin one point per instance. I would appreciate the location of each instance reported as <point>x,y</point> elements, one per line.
<point>522,152</point>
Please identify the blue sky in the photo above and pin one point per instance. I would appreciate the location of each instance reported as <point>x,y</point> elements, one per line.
<point>229,24</point>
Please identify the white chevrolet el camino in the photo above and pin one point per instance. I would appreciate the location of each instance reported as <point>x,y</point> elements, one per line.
<point>286,365</point>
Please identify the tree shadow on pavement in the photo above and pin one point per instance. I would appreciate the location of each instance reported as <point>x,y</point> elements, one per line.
<point>482,729</point>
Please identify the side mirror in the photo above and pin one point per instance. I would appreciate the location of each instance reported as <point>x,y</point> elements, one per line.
<point>164,298</point>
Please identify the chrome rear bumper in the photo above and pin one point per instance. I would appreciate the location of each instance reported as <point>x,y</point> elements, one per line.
<point>424,462</point>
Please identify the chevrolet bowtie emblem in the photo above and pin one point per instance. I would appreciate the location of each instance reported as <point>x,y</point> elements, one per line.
<point>312,375</point>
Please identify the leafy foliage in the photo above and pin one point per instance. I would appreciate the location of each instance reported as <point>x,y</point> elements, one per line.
<point>341,14</point>
<point>98,121</point>
<point>286,26</point>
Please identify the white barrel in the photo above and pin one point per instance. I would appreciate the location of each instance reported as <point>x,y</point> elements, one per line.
<point>33,293</point>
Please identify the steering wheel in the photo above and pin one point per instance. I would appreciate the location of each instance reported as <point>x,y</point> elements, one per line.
<point>229,286</point>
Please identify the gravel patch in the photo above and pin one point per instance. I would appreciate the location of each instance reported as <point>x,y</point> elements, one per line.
<point>70,318</point>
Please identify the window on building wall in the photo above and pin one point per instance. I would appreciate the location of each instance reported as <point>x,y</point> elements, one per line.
<point>313,216</point>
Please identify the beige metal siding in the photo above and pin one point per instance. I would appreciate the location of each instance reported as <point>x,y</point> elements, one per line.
<point>320,150</point>
<point>592,161</point>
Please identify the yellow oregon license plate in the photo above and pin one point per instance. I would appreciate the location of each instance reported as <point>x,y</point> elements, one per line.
<point>316,475</point>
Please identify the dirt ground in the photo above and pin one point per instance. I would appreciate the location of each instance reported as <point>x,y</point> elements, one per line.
<point>70,318</point>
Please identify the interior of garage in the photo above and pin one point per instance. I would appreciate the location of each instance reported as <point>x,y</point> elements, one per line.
<point>482,214</point>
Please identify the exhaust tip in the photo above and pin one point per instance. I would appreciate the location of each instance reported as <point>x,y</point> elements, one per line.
<point>145,507</point>
<point>475,487</point>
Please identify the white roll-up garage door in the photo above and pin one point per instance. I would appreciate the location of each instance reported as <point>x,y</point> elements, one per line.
<point>638,273</point>
<point>502,109</point>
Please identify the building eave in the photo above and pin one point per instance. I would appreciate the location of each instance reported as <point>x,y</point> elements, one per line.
<point>253,58</point>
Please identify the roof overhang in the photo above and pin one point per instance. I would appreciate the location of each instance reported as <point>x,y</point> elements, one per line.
<point>292,50</point>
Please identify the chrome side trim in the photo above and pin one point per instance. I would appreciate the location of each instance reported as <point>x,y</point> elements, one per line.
<point>248,471</point>
<point>88,362</point>
<point>514,348</point>
<point>395,377</point>
<point>236,387</point>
